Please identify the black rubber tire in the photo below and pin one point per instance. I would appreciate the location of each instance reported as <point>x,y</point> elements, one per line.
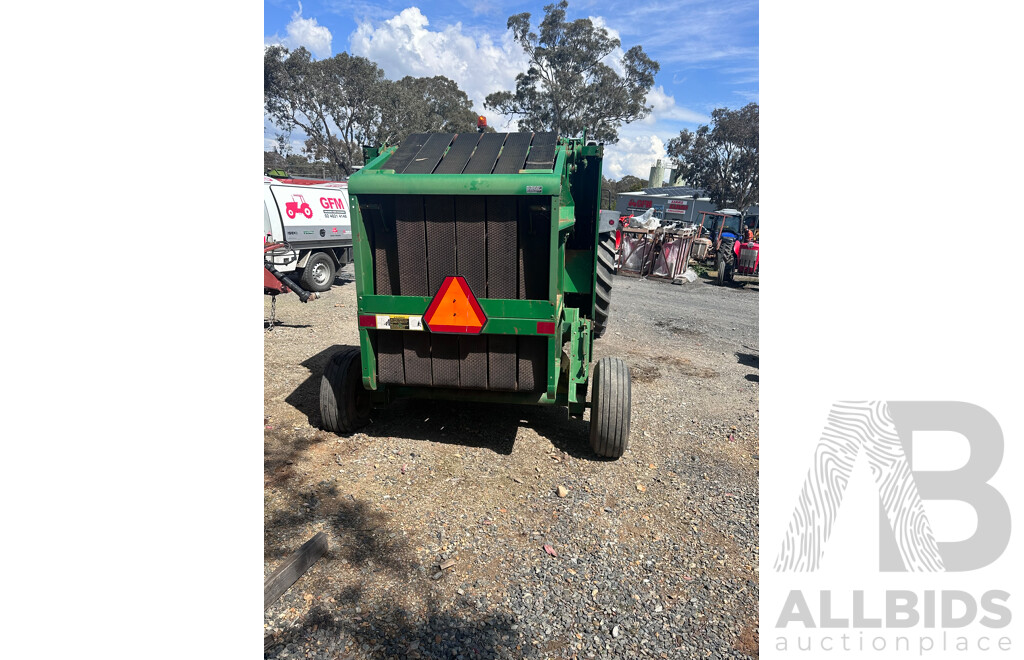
<point>720,268</point>
<point>319,263</point>
<point>610,407</point>
<point>344,404</point>
<point>726,257</point>
<point>605,271</point>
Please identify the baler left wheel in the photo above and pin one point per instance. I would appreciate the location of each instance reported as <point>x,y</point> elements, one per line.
<point>605,269</point>
<point>344,404</point>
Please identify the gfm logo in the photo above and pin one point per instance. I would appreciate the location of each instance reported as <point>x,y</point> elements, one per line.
<point>884,430</point>
<point>332,203</point>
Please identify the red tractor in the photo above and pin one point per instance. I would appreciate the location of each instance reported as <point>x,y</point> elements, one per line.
<point>737,255</point>
<point>732,246</point>
<point>296,206</point>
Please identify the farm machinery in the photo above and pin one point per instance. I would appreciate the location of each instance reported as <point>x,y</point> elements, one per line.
<point>732,249</point>
<point>481,274</point>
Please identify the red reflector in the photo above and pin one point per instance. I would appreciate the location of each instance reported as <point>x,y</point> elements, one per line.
<point>545,328</point>
<point>368,321</point>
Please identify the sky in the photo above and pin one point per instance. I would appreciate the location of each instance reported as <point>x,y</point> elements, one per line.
<point>707,49</point>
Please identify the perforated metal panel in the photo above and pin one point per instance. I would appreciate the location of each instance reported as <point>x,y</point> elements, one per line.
<point>502,281</point>
<point>501,362</point>
<point>439,211</point>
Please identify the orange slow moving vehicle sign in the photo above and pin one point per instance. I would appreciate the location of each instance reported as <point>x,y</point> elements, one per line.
<point>455,309</point>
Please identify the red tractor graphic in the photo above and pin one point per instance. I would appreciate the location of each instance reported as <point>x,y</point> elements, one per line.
<point>296,206</point>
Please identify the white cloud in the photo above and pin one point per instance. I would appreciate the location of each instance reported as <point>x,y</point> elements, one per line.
<point>633,155</point>
<point>665,108</point>
<point>304,32</point>
<point>404,45</point>
<point>614,58</point>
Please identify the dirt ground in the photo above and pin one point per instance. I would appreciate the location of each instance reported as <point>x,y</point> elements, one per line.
<point>657,552</point>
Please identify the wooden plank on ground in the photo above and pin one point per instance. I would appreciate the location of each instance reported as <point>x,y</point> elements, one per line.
<point>292,568</point>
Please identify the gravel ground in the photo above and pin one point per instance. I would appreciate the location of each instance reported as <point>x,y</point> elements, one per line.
<point>657,552</point>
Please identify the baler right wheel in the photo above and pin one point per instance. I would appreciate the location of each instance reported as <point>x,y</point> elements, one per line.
<point>610,408</point>
<point>345,404</point>
<point>605,268</point>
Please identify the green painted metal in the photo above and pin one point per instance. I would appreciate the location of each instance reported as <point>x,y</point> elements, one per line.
<point>579,360</point>
<point>578,271</point>
<point>386,182</point>
<point>541,310</point>
<point>572,191</point>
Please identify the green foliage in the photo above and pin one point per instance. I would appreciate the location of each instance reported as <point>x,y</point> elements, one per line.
<point>722,158</point>
<point>345,102</point>
<point>567,87</point>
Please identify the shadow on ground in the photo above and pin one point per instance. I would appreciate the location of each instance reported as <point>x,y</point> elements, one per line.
<point>363,540</point>
<point>491,426</point>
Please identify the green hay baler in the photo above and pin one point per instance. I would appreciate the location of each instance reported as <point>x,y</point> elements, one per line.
<point>481,274</point>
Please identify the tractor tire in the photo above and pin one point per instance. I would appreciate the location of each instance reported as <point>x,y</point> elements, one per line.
<point>610,408</point>
<point>344,404</point>
<point>290,213</point>
<point>605,270</point>
<point>307,211</point>
<point>318,275</point>
<point>728,259</point>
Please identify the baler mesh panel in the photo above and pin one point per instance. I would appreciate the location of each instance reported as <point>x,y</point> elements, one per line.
<point>412,246</point>
<point>390,362</point>
<point>417,358</point>
<point>440,217</point>
<point>501,248</point>
<point>534,232</point>
<point>471,255</point>
<point>444,360</point>
<point>381,231</point>
<point>533,354</point>
<point>501,362</point>
<point>473,367</point>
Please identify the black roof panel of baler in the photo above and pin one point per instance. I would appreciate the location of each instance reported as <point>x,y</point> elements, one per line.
<point>513,156</point>
<point>429,154</point>
<point>542,153</point>
<point>472,153</point>
<point>487,150</point>
<point>406,152</point>
<point>457,158</point>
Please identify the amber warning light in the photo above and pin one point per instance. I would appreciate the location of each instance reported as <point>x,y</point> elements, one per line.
<point>455,309</point>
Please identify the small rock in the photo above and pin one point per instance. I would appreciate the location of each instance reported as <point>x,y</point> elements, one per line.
<point>615,631</point>
<point>562,491</point>
<point>437,576</point>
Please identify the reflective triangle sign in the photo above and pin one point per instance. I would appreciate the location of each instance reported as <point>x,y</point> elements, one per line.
<point>455,309</point>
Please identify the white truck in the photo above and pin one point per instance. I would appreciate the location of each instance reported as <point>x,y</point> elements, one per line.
<point>312,219</point>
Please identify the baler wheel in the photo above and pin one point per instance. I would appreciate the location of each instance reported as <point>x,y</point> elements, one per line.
<point>605,268</point>
<point>344,404</point>
<point>610,408</point>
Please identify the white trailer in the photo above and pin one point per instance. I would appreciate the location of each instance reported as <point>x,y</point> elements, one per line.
<point>313,220</point>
